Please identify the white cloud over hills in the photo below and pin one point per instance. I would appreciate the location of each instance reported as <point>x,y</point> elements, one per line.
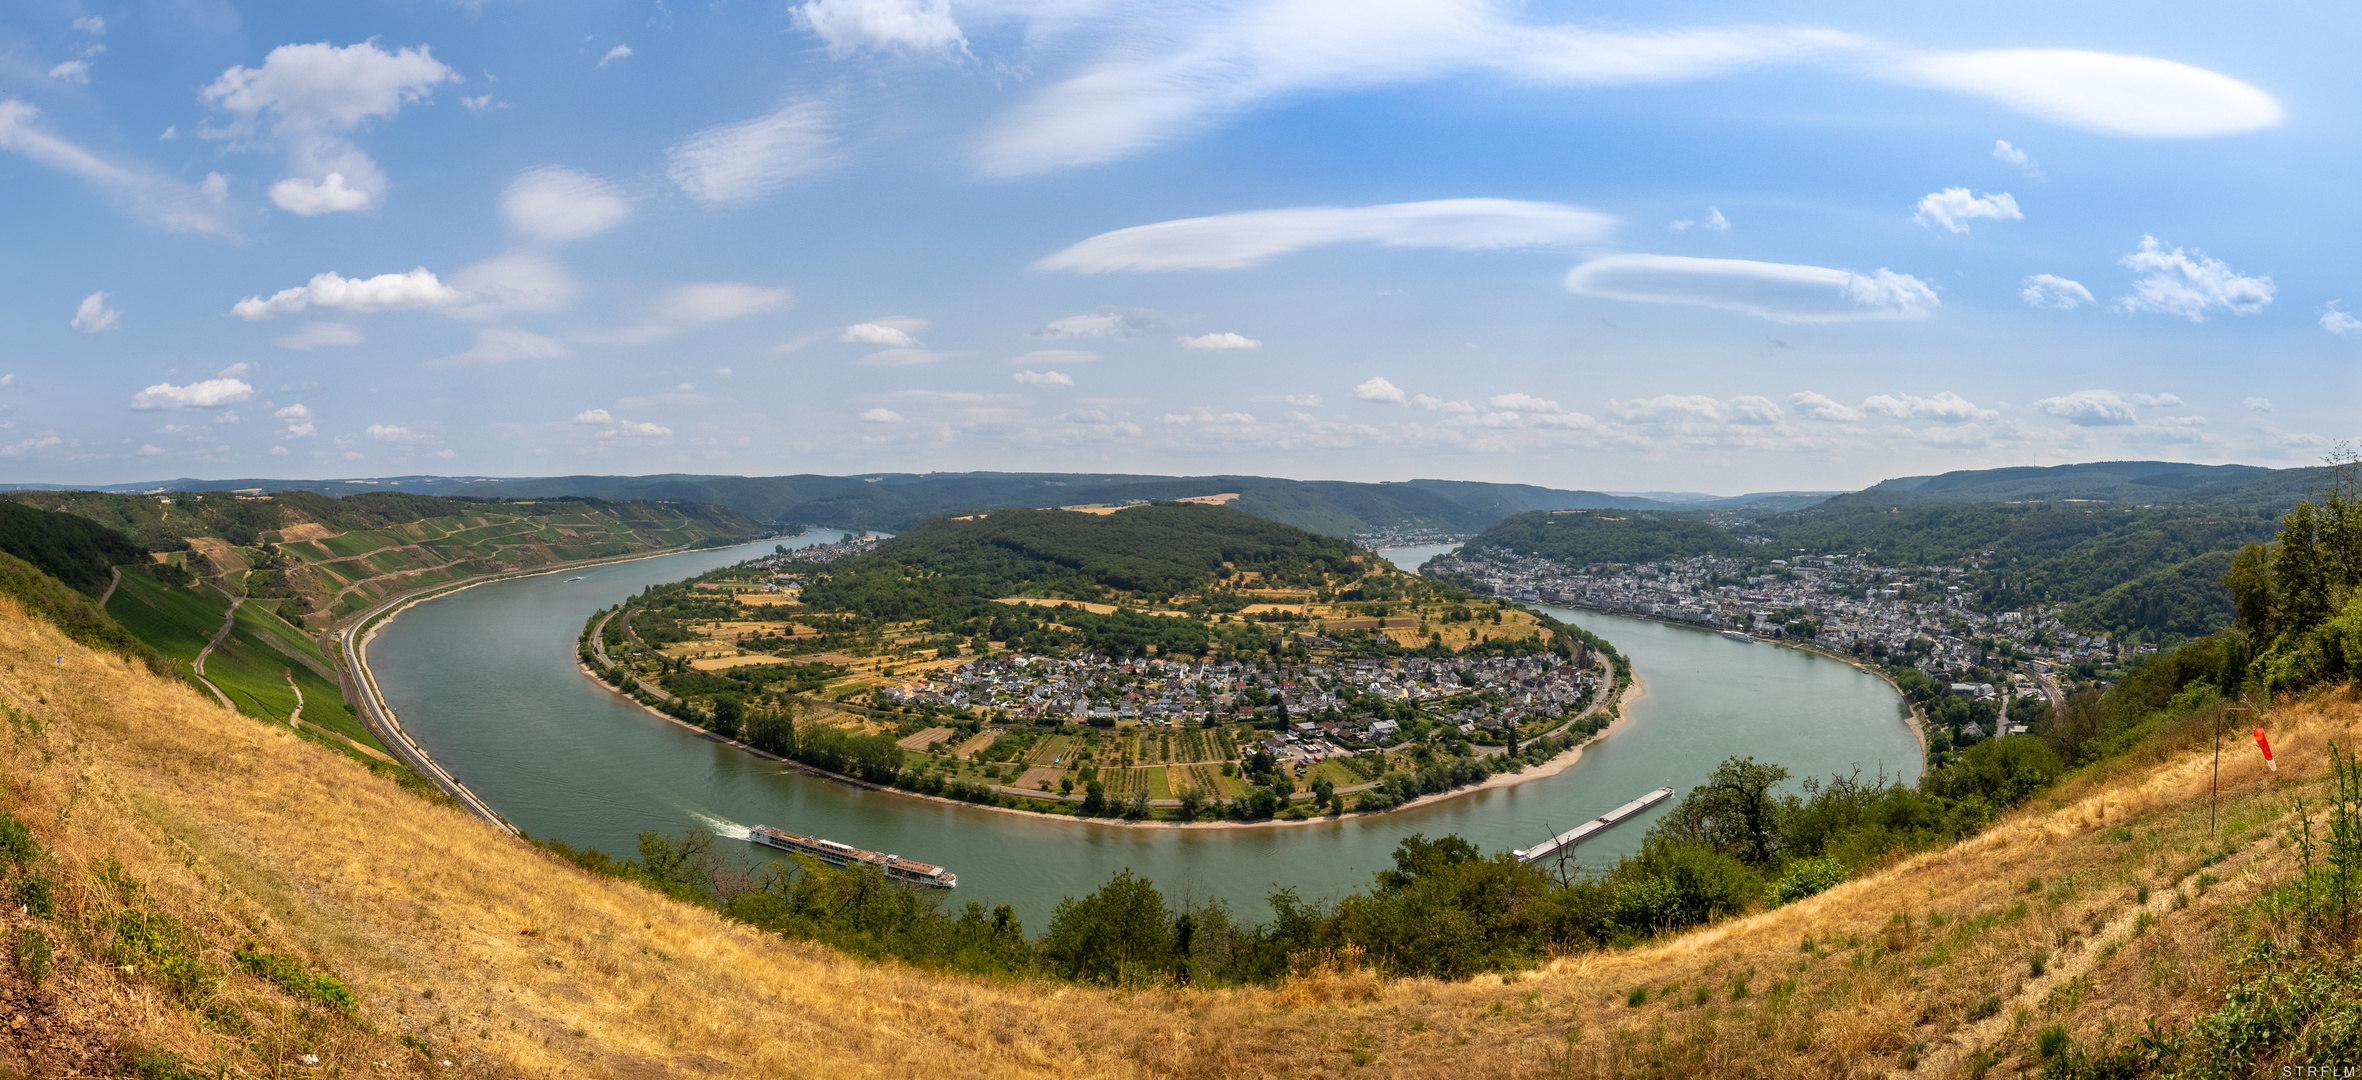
<point>1780,292</point>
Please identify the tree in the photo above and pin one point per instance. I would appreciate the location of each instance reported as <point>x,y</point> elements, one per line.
<point>1122,933</point>
<point>772,729</point>
<point>1193,803</point>
<point>1733,812</point>
<point>2300,577</point>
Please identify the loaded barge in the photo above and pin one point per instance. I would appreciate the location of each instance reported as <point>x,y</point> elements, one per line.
<point>836,854</point>
<point>1588,829</point>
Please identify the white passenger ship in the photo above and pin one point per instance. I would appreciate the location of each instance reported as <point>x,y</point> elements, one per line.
<point>836,854</point>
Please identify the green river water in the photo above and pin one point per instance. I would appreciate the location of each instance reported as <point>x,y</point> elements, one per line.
<point>485,680</point>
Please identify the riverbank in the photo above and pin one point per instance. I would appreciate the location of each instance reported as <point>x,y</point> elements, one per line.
<point>352,644</point>
<point>1914,719</point>
<point>1564,759</point>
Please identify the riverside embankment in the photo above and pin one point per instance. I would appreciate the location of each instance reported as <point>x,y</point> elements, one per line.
<point>485,680</point>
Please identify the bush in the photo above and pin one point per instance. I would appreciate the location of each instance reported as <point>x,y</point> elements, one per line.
<point>1805,877</point>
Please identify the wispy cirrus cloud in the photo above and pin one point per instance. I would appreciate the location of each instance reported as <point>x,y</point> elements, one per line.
<point>1249,238</point>
<point>1780,292</point>
<point>1166,75</point>
<point>159,200</point>
<point>745,160</point>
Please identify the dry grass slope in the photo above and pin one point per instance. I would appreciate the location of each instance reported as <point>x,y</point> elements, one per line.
<point>467,947</point>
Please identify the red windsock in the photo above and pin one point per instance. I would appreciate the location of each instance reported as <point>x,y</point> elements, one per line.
<point>2266,746</point>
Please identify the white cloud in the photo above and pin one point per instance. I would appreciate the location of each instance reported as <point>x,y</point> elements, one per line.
<point>332,291</point>
<point>881,416</point>
<point>2053,291</point>
<point>279,451</point>
<point>593,416</point>
<point>293,412</point>
<point>321,335</point>
<point>199,395</point>
<point>1780,292</point>
<point>677,394</point>
<point>1436,404</point>
<point>721,301</point>
<point>91,24</point>
<point>1220,342</point>
<point>239,370</point>
<point>2091,408</point>
<point>2158,400</point>
<point>396,433</point>
<point>2257,404</point>
<point>2332,320</point>
<point>1056,356</point>
<point>73,71</point>
<point>1157,79</point>
<point>1714,222</point>
<point>640,429</point>
<point>1687,409</point>
<point>495,345</point>
<point>1953,208</point>
<point>480,104</point>
<point>1814,406</point>
<point>910,25</point>
<point>328,195</point>
<point>315,94</point>
<point>1303,401</point>
<point>744,161</point>
<point>1525,403</point>
<point>1043,378</point>
<point>163,201</point>
<point>553,203</point>
<point>2010,155</point>
<point>620,52</point>
<point>2174,283</point>
<point>1247,238</point>
<point>93,316</point>
<point>43,441</point>
<point>1107,323</point>
<point>145,449</point>
<point>1378,389</point>
<point>1946,406</point>
<point>895,331</point>
<point>299,422</point>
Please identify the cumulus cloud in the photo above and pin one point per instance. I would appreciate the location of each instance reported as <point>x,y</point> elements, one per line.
<point>1378,389</point>
<point>1302,401</point>
<point>198,395</point>
<point>1525,403</point>
<point>1953,208</point>
<point>299,422</point>
<point>1814,406</point>
<point>2158,400</point>
<point>2257,404</point>
<point>43,441</point>
<point>621,430</point>
<point>1780,292</point>
<point>2190,284</point>
<point>93,316</point>
<point>1108,322</point>
<point>321,335</point>
<point>1043,378</point>
<point>396,433</point>
<point>73,71</point>
<point>880,416</point>
<point>332,291</point>
<point>1247,238</point>
<point>850,26</point>
<point>1436,404</point>
<point>94,25</point>
<point>1155,81</point>
<point>495,345</point>
<point>894,331</point>
<point>2332,320</point>
<point>1222,342</point>
<point>314,95</point>
<point>2053,291</point>
<point>746,160</point>
<point>553,203</point>
<point>2010,155</point>
<point>2091,408</point>
<point>1685,409</point>
<point>1946,406</point>
<point>620,52</point>
<point>162,201</point>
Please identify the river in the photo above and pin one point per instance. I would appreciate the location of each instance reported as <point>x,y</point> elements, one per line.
<point>485,680</point>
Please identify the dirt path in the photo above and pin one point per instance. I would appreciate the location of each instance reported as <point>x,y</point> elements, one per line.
<point>295,720</point>
<point>114,578</point>
<point>227,619</point>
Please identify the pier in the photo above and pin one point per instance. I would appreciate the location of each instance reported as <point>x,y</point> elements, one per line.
<point>1594,827</point>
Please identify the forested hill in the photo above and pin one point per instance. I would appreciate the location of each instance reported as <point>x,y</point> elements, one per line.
<point>1579,538</point>
<point>74,550</point>
<point>166,522</point>
<point>1146,553</point>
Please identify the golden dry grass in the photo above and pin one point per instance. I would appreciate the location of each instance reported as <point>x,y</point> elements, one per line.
<point>509,963</point>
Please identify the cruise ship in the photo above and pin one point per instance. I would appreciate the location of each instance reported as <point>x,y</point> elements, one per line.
<point>1738,635</point>
<point>836,854</point>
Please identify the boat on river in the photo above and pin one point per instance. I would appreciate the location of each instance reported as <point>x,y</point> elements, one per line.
<point>1592,828</point>
<point>836,854</point>
<point>1738,635</point>
<point>577,577</point>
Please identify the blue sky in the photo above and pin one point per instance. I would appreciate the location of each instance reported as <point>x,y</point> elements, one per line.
<point>1694,246</point>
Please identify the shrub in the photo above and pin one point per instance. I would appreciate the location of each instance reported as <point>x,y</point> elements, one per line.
<point>1805,877</point>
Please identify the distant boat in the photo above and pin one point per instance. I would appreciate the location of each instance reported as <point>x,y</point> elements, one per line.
<point>577,577</point>
<point>1738,635</point>
<point>836,854</point>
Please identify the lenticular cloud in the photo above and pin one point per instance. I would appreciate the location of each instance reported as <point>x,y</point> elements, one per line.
<point>1248,238</point>
<point>1781,292</point>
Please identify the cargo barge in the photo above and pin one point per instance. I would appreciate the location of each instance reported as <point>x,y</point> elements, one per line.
<point>1592,828</point>
<point>836,854</point>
